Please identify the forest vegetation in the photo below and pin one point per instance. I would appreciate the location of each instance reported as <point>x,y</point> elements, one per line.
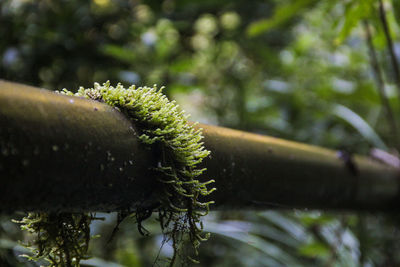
<point>319,72</point>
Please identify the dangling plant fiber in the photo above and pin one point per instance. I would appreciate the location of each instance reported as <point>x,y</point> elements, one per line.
<point>62,239</point>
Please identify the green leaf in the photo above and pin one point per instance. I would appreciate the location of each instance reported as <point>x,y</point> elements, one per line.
<point>396,10</point>
<point>355,11</point>
<point>270,250</point>
<point>315,249</point>
<point>283,13</point>
<point>310,219</point>
<point>360,125</point>
<point>119,52</point>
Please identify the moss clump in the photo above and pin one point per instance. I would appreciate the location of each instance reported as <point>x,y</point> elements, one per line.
<point>163,124</point>
<point>61,239</point>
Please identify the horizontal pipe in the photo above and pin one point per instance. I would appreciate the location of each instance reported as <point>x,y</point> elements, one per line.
<point>62,153</point>
<point>255,171</point>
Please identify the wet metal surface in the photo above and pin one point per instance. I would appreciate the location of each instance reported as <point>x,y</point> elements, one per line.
<point>59,152</point>
<point>255,171</point>
<point>65,153</point>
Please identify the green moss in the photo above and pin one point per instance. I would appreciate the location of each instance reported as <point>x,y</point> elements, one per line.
<point>61,239</point>
<point>162,125</point>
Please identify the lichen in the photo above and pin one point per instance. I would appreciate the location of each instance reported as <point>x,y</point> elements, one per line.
<point>164,126</point>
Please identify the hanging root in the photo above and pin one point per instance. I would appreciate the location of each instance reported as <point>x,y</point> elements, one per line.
<point>62,239</point>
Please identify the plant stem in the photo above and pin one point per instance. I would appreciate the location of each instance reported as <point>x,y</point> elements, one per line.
<point>362,235</point>
<point>389,43</point>
<point>380,82</point>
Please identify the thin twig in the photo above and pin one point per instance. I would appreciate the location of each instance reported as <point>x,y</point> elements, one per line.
<point>380,82</point>
<point>390,47</point>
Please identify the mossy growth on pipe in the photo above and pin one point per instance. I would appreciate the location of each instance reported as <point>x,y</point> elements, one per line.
<point>163,125</point>
<point>61,239</point>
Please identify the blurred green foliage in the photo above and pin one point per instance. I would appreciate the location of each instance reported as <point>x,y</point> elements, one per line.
<point>296,69</point>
